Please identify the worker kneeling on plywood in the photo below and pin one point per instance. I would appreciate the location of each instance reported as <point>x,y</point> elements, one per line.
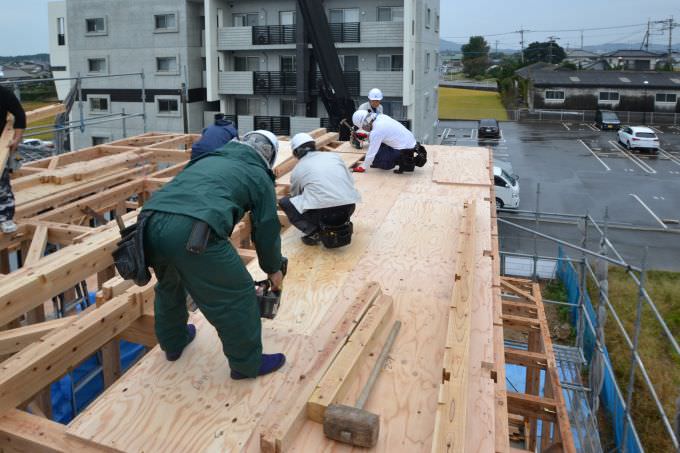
<point>186,241</point>
<point>391,144</point>
<point>322,195</point>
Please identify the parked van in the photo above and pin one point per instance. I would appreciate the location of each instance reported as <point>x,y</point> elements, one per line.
<point>507,188</point>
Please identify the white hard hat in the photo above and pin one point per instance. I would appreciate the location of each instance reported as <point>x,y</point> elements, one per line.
<point>253,139</point>
<point>359,118</point>
<point>300,139</point>
<point>375,94</point>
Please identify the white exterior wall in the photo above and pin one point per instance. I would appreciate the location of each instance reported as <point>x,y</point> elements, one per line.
<point>59,54</point>
<point>421,82</point>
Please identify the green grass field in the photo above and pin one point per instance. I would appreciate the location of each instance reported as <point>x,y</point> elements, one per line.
<point>463,104</point>
<point>662,364</point>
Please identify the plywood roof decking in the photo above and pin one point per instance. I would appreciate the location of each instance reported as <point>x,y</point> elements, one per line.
<point>407,239</point>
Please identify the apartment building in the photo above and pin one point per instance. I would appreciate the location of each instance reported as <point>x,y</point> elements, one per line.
<point>247,61</point>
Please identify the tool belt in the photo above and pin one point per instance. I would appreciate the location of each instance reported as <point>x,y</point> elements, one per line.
<point>334,236</point>
<point>412,158</point>
<point>128,257</point>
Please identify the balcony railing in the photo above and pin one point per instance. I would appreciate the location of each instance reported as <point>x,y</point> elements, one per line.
<point>282,82</point>
<point>274,82</point>
<point>274,34</point>
<point>352,81</point>
<point>346,32</point>
<point>279,125</point>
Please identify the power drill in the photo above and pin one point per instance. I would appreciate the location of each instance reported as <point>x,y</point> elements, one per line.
<point>268,299</point>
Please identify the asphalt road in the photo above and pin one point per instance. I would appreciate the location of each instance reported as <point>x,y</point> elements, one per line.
<point>582,169</point>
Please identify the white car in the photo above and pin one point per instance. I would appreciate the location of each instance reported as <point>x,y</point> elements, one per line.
<point>507,188</point>
<point>638,137</point>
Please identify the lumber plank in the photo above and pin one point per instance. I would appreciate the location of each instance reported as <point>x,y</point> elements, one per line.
<point>287,414</point>
<point>460,167</point>
<point>15,340</point>
<point>526,358</point>
<point>520,322</point>
<point>59,198</point>
<point>22,432</point>
<point>532,406</point>
<point>141,331</point>
<point>555,387</point>
<point>38,244</point>
<point>518,291</point>
<point>450,421</point>
<point>6,138</point>
<point>43,112</point>
<point>36,366</point>
<point>334,384</point>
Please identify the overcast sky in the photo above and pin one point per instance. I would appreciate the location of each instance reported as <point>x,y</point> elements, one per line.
<point>23,24</point>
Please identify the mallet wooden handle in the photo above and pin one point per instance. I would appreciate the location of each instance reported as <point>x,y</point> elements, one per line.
<point>379,364</point>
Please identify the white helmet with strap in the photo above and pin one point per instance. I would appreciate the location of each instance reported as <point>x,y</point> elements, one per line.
<point>375,95</point>
<point>299,140</point>
<point>265,143</point>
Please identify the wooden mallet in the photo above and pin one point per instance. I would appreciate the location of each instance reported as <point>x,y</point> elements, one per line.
<point>352,424</point>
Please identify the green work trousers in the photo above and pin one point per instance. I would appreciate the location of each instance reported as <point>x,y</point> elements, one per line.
<point>218,282</point>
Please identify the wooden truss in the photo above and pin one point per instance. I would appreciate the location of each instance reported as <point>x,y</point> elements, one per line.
<point>448,363</point>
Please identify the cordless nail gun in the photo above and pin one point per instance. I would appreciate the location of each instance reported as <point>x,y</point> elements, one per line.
<point>268,298</point>
<point>357,136</point>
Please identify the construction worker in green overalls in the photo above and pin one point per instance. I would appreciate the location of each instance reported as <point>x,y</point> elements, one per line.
<point>216,189</point>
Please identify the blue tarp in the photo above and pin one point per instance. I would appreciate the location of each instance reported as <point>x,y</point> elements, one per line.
<point>612,401</point>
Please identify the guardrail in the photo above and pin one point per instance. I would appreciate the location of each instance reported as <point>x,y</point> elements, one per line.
<point>662,118</point>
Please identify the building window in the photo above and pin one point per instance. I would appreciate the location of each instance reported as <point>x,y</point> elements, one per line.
<point>165,22</point>
<point>246,20</point>
<point>553,95</point>
<point>666,98</point>
<point>609,96</point>
<point>166,65</point>
<point>428,18</point>
<point>287,107</point>
<point>390,63</point>
<point>61,31</point>
<point>287,18</point>
<point>427,62</point>
<point>390,14</point>
<point>95,26</point>
<point>168,106</point>
<point>436,23</point>
<point>349,62</point>
<point>288,63</point>
<point>339,16</point>
<point>247,106</point>
<point>99,104</point>
<point>99,140</point>
<point>246,63</point>
<point>97,65</point>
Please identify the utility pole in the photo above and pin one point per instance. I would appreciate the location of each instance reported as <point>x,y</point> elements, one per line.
<point>581,39</point>
<point>551,41</point>
<point>671,25</point>
<point>521,40</point>
<point>496,47</point>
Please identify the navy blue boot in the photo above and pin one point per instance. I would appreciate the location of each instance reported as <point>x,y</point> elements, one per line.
<point>172,356</point>
<point>270,363</point>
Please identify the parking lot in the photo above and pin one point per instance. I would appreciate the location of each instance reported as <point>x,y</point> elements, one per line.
<point>581,168</point>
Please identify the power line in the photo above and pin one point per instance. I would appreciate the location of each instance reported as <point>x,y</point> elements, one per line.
<point>549,31</point>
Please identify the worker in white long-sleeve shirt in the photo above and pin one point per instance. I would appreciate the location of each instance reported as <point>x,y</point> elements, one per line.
<point>391,144</point>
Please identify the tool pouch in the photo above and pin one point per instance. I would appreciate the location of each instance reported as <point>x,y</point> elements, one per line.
<point>199,237</point>
<point>420,157</point>
<point>128,257</point>
<point>336,236</point>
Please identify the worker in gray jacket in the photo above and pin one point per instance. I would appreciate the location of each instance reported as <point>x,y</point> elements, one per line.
<point>322,195</point>
<point>373,105</point>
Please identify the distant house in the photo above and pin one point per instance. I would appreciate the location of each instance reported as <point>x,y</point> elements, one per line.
<point>637,60</point>
<point>9,73</point>
<point>550,88</point>
<point>581,57</point>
